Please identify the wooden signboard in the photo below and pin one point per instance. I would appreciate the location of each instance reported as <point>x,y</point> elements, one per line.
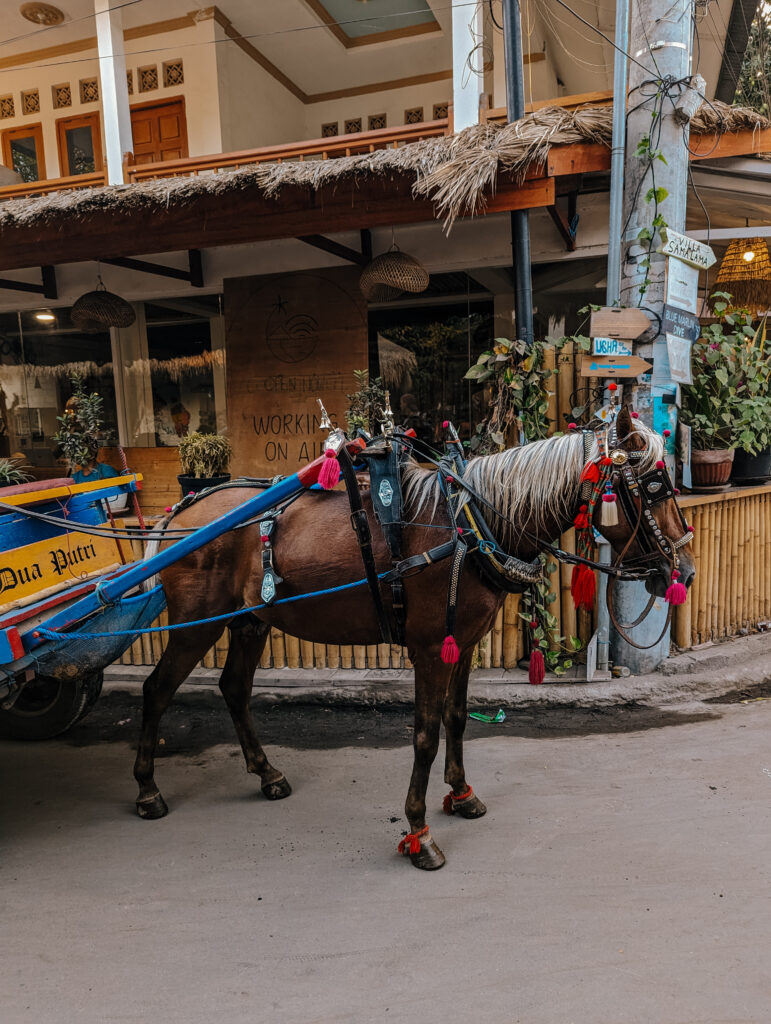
<point>291,338</point>
<point>52,564</point>
<point>613,366</point>
<point>612,322</point>
<point>689,250</point>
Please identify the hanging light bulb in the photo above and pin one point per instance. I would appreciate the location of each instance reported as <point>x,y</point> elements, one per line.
<point>748,255</point>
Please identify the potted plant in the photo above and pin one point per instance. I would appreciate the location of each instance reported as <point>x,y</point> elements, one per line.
<point>752,462</point>
<point>205,461</point>
<point>13,472</point>
<point>80,428</point>
<point>712,404</point>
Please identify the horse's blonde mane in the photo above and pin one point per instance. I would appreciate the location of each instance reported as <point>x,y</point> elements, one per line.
<point>539,481</point>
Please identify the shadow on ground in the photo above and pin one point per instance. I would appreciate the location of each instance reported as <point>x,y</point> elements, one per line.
<point>190,728</point>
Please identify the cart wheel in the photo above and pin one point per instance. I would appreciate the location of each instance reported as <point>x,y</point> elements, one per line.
<point>48,707</point>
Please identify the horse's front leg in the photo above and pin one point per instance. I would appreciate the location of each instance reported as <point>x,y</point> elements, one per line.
<point>432,678</point>
<point>462,799</point>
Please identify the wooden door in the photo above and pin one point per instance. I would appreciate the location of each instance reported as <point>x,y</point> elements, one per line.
<point>159,131</point>
<point>80,144</point>
<point>23,151</point>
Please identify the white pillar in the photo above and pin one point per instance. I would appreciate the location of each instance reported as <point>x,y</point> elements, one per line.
<point>114,88</point>
<point>468,61</point>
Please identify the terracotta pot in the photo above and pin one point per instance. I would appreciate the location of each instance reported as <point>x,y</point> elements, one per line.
<point>711,469</point>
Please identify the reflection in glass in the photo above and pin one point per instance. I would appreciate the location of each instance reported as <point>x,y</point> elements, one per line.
<point>24,158</point>
<point>80,150</point>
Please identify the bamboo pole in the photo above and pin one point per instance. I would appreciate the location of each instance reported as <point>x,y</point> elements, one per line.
<point>485,649</point>
<point>497,654</point>
<point>278,643</point>
<point>733,570</point>
<point>292,651</point>
<point>713,612</point>
<point>359,656</point>
<point>740,568</point>
<point>511,621</point>
<point>306,653</point>
<point>396,656</point>
<point>371,650</point>
<point>383,655</point>
<point>333,656</point>
<point>725,541</point>
<point>319,656</point>
<point>549,362</point>
<point>567,608</point>
<point>346,655</point>
<point>564,384</point>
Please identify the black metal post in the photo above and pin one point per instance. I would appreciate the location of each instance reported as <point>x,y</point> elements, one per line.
<point>520,226</point>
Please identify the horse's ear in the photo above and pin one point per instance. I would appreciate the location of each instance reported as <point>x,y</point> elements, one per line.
<point>625,430</point>
<point>623,422</point>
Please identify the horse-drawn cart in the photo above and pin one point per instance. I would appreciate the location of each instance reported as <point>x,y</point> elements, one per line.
<point>71,602</point>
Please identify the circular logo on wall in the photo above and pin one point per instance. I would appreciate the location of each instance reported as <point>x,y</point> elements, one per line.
<point>291,338</point>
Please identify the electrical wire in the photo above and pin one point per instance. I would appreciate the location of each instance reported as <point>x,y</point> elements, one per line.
<point>70,21</point>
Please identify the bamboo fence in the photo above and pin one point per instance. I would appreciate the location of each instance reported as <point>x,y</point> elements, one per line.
<point>732,591</point>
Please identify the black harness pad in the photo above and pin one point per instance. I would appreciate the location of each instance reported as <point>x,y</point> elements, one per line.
<point>386,494</point>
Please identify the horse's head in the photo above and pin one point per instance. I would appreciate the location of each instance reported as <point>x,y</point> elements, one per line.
<point>651,532</point>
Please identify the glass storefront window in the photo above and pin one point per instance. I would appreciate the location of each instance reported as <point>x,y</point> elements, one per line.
<point>422,354</point>
<point>39,353</point>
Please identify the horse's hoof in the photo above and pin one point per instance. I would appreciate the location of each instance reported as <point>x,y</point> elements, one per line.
<point>469,808</point>
<point>430,857</point>
<point>277,790</point>
<point>152,807</point>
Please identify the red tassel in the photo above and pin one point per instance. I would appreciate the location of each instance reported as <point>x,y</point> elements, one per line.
<point>591,473</point>
<point>677,592</point>
<point>537,668</point>
<point>581,522</point>
<point>411,842</point>
<point>450,650</point>
<point>583,587</point>
<point>329,474</point>
<point>447,804</point>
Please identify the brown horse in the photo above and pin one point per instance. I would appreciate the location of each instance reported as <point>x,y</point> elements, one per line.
<point>535,487</point>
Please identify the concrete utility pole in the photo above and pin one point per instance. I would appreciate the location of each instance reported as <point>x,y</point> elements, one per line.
<point>115,102</point>
<point>660,34</point>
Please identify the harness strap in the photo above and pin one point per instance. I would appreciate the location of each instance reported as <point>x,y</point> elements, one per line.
<point>360,525</point>
<point>416,563</point>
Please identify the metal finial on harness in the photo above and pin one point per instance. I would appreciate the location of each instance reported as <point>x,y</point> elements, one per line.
<point>387,423</point>
<point>326,423</point>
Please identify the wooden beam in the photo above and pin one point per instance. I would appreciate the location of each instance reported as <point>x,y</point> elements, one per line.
<point>193,276</point>
<point>47,288</point>
<point>239,217</point>
<point>335,248</point>
<point>742,143</point>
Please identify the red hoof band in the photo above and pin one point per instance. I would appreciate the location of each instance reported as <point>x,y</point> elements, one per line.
<point>448,804</point>
<point>411,842</point>
<point>450,651</point>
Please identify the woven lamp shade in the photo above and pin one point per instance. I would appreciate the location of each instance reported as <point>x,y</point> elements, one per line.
<point>748,281</point>
<point>101,309</point>
<point>391,274</point>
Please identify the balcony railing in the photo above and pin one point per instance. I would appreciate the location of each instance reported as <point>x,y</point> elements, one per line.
<point>313,149</point>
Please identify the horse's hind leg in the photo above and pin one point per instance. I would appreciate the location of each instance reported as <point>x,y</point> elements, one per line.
<point>432,678</point>
<point>185,649</point>
<point>246,645</point>
<point>462,800</point>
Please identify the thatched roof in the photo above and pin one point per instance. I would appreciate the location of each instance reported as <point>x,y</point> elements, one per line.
<point>456,171</point>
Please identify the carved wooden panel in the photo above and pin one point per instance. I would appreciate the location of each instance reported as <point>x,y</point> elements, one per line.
<point>291,338</point>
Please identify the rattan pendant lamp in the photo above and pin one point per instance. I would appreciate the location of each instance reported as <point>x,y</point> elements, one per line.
<point>391,274</point>
<point>745,274</point>
<point>99,310</point>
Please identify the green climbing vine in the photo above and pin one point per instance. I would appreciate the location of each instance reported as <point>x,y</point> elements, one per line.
<point>648,152</point>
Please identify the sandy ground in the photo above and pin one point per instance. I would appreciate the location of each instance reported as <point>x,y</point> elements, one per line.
<point>620,877</point>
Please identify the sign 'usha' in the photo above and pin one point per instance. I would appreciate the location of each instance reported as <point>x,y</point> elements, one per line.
<point>689,250</point>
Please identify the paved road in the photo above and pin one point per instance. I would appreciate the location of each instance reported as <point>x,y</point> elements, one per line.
<point>620,877</point>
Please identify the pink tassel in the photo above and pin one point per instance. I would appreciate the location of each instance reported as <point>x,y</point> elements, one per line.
<point>677,592</point>
<point>450,651</point>
<point>537,668</point>
<point>329,474</point>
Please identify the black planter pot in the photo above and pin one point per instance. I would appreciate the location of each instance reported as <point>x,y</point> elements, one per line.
<point>751,469</point>
<point>196,484</point>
